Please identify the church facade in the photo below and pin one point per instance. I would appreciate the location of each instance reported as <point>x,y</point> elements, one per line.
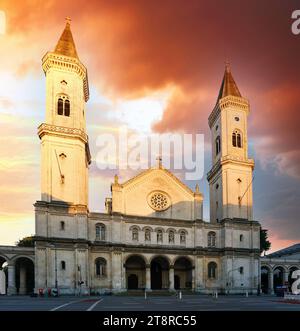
<point>152,235</point>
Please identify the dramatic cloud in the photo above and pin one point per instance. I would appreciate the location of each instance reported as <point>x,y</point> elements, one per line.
<point>176,49</point>
<point>275,124</point>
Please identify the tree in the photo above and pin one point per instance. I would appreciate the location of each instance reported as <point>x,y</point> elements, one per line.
<point>26,242</point>
<point>265,244</point>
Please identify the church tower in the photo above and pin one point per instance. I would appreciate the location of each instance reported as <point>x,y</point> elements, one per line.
<point>64,143</point>
<point>230,178</point>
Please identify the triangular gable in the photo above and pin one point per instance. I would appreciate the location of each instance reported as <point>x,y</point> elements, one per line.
<point>165,171</point>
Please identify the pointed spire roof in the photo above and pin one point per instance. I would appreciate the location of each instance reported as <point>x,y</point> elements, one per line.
<point>228,86</point>
<point>66,45</point>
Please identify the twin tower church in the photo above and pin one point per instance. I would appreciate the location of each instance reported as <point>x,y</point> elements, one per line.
<point>152,235</point>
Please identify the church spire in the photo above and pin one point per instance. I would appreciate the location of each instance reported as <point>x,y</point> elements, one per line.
<point>66,45</point>
<point>228,86</point>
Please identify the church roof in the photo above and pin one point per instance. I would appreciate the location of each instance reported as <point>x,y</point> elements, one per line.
<point>66,45</point>
<point>164,170</point>
<point>286,251</point>
<point>228,86</point>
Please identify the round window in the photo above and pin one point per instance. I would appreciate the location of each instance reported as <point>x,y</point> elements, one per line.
<point>159,201</point>
<point>237,118</point>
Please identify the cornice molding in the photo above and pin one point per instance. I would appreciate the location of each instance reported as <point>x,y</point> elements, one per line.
<point>229,101</point>
<point>50,129</point>
<point>66,63</point>
<point>162,249</point>
<point>234,159</point>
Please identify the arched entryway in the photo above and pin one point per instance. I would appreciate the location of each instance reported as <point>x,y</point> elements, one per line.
<point>183,273</point>
<point>3,276</point>
<point>176,282</point>
<point>265,279</point>
<point>159,273</point>
<point>133,282</point>
<point>278,274</point>
<point>24,275</point>
<point>135,272</point>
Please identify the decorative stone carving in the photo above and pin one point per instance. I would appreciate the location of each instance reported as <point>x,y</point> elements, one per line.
<point>48,128</point>
<point>159,201</point>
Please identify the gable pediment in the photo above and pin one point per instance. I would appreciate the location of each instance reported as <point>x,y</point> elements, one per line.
<point>158,176</point>
<point>155,192</point>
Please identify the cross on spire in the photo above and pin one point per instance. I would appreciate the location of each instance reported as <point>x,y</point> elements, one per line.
<point>228,86</point>
<point>66,45</point>
<point>227,66</point>
<point>159,161</point>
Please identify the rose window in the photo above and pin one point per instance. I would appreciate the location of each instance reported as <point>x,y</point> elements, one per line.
<point>158,201</point>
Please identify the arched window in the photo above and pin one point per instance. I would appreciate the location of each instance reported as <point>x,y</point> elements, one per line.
<point>211,239</point>
<point>241,238</point>
<point>63,265</point>
<point>159,236</point>
<point>218,145</point>
<point>100,266</point>
<point>67,107</point>
<point>147,235</point>
<point>171,237</point>
<point>62,225</point>
<point>135,234</point>
<point>239,140</point>
<point>182,237</point>
<point>100,232</point>
<point>212,270</point>
<point>60,106</point>
<point>63,106</point>
<point>236,139</point>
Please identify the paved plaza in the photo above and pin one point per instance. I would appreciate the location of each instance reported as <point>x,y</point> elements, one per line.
<point>139,303</point>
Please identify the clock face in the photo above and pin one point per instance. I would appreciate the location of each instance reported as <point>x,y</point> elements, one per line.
<point>159,201</point>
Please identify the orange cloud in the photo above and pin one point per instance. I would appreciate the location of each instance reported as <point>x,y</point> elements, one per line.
<point>134,47</point>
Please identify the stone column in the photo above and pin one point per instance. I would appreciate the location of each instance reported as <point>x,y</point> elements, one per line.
<point>116,271</point>
<point>124,277</point>
<point>270,282</point>
<point>171,278</point>
<point>11,279</point>
<point>148,277</point>
<point>22,289</point>
<point>2,282</point>
<point>259,276</point>
<point>193,278</point>
<point>285,276</point>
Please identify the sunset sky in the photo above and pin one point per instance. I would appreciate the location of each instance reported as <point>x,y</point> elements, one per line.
<point>155,66</point>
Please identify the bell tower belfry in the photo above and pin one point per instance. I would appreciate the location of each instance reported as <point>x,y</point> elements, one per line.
<point>64,143</point>
<point>230,178</point>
